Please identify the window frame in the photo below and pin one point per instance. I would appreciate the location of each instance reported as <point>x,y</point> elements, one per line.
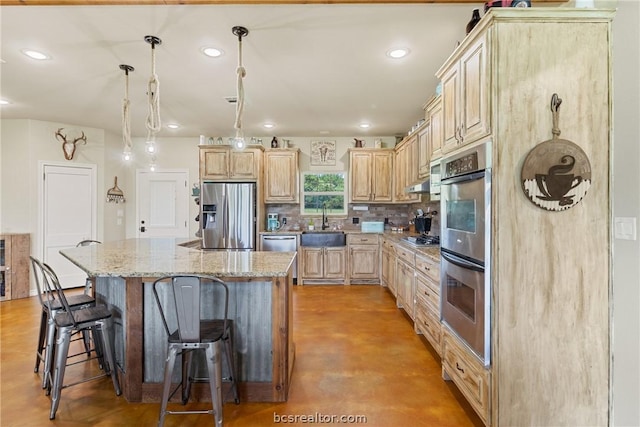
<point>344,193</point>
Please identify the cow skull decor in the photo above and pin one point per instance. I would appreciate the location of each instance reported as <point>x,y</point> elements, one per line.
<point>69,147</point>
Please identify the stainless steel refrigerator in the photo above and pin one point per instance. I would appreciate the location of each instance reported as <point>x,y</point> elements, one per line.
<point>228,215</point>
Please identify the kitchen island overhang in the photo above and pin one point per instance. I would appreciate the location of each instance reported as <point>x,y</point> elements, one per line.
<point>260,303</point>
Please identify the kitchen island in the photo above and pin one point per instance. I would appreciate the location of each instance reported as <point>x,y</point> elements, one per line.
<point>260,298</point>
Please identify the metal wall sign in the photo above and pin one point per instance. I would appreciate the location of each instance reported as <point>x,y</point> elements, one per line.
<point>556,174</point>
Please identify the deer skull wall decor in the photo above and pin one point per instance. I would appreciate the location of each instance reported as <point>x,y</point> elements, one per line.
<point>69,147</point>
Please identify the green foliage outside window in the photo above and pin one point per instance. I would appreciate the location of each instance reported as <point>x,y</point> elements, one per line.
<point>324,188</point>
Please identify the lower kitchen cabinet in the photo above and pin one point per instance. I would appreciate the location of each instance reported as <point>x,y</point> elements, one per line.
<point>461,366</point>
<point>364,258</point>
<point>388,274</point>
<point>427,308</point>
<point>405,280</point>
<point>322,265</point>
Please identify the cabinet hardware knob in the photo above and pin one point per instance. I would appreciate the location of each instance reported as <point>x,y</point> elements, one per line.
<point>459,368</point>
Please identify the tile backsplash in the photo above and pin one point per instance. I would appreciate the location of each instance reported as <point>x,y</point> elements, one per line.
<point>397,214</point>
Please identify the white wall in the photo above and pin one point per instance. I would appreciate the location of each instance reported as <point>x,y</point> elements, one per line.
<point>626,203</point>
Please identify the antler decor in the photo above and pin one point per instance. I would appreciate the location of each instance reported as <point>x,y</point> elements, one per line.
<point>69,147</point>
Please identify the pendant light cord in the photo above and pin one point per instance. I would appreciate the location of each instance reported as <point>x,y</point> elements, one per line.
<point>126,119</point>
<point>153,92</point>
<point>241,72</point>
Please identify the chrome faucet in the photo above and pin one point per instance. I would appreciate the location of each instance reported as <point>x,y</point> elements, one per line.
<point>325,224</point>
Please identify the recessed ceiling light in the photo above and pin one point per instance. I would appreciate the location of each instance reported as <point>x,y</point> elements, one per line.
<point>213,52</point>
<point>364,125</point>
<point>398,53</point>
<point>4,102</point>
<point>173,126</point>
<point>268,125</point>
<point>34,54</point>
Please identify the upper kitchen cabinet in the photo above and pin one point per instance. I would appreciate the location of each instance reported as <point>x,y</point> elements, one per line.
<point>281,175</point>
<point>434,118</point>
<point>465,98</point>
<point>406,169</point>
<point>424,150</point>
<point>224,163</point>
<point>371,175</point>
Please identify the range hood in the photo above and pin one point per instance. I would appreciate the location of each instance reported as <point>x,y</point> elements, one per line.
<point>423,187</point>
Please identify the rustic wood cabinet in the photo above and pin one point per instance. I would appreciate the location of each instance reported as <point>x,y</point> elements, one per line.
<point>427,298</point>
<point>364,258</point>
<point>406,169</point>
<point>467,372</point>
<point>465,97</point>
<point>434,117</point>
<point>281,175</point>
<point>405,280</point>
<point>388,273</point>
<point>14,266</point>
<point>543,319</point>
<point>371,175</point>
<point>224,163</point>
<point>424,150</point>
<point>323,265</point>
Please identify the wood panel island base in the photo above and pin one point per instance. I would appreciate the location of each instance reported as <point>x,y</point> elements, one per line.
<point>260,305</point>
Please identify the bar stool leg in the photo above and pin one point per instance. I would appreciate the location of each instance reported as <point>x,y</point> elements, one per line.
<point>214,367</point>
<point>50,354</point>
<point>228,349</point>
<point>41,338</point>
<point>62,350</point>
<point>109,354</point>
<point>168,373</point>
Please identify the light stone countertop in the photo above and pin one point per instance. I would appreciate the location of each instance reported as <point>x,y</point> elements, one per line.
<point>157,257</point>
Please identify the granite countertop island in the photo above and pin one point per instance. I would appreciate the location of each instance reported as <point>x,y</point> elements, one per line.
<point>260,285</point>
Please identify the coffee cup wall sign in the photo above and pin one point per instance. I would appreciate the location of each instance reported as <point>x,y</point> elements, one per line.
<point>556,174</point>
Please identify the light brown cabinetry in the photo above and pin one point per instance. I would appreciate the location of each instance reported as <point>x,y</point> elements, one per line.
<point>371,175</point>
<point>465,97</point>
<point>406,170</point>
<point>427,309</point>
<point>14,266</point>
<point>323,264</point>
<point>388,274</point>
<point>508,68</point>
<point>223,163</point>
<point>434,117</point>
<point>281,176</point>
<point>424,150</point>
<point>405,280</point>
<point>364,258</point>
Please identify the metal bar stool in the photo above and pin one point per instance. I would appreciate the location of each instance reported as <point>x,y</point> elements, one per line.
<point>50,306</point>
<point>181,299</point>
<point>97,319</point>
<point>88,242</point>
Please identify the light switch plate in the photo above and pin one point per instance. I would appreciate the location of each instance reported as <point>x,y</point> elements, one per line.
<point>625,228</point>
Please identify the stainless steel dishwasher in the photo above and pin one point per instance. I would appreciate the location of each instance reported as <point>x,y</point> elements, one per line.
<point>281,243</point>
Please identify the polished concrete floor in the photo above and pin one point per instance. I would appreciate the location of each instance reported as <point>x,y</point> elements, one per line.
<point>356,356</point>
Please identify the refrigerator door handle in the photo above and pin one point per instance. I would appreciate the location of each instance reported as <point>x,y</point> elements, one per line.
<point>225,217</point>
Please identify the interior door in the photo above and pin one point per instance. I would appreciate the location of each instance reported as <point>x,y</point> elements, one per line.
<point>162,204</point>
<point>69,215</point>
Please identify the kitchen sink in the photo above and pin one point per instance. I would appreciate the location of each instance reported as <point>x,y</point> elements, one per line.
<point>323,238</point>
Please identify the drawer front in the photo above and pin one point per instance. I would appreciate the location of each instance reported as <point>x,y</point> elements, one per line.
<point>467,373</point>
<point>388,245</point>
<point>428,292</point>
<point>406,255</point>
<point>428,324</point>
<point>429,267</point>
<point>362,239</point>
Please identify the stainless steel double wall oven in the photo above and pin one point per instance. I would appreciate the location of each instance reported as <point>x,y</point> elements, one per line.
<point>465,247</point>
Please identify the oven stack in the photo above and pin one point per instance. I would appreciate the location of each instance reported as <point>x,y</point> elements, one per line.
<point>465,247</point>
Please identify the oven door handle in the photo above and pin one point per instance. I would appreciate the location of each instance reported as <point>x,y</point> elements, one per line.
<point>462,178</point>
<point>461,262</point>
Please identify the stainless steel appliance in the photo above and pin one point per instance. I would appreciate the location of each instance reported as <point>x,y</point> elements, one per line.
<point>228,215</point>
<point>465,247</point>
<point>281,243</point>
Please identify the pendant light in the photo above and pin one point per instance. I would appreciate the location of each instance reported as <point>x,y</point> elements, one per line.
<point>238,141</point>
<point>153,93</point>
<point>127,155</point>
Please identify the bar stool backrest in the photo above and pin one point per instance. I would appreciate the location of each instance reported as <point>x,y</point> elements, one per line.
<point>183,315</point>
<point>56,292</point>
<point>46,294</point>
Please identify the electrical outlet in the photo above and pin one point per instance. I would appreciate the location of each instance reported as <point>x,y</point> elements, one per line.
<point>356,220</point>
<point>284,221</point>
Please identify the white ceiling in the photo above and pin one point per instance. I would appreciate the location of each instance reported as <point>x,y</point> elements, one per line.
<point>311,69</point>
